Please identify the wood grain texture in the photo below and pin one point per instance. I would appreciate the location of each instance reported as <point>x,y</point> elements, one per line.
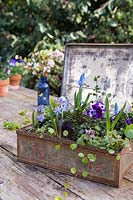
<point>20,181</point>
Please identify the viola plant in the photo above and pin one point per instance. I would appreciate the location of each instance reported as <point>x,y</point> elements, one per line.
<point>4,73</point>
<point>89,121</point>
<point>16,65</point>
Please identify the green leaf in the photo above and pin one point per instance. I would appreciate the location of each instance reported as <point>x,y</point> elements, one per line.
<point>66,186</point>
<point>81,155</point>
<point>50,130</point>
<point>58,198</point>
<point>91,157</point>
<point>129,131</point>
<point>65,194</point>
<point>118,117</point>
<point>107,116</point>
<point>23,112</point>
<point>65,133</point>
<point>73,146</point>
<point>118,157</point>
<point>80,141</point>
<point>73,170</point>
<point>85,173</point>
<point>12,126</point>
<point>111,151</point>
<point>85,160</point>
<point>58,147</point>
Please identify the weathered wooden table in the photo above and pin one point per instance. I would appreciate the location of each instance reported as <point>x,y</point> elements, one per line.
<point>19,181</point>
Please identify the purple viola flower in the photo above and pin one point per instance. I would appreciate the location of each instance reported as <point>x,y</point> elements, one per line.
<point>91,112</point>
<point>82,79</point>
<point>99,106</point>
<point>40,118</point>
<point>12,62</point>
<point>97,110</point>
<point>128,121</point>
<point>98,114</point>
<point>8,71</point>
<point>40,108</point>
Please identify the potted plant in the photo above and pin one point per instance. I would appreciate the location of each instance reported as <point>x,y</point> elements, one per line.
<point>17,69</point>
<point>41,62</point>
<point>4,81</point>
<point>88,139</point>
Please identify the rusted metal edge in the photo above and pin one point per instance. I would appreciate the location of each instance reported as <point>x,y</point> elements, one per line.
<point>98,45</point>
<point>68,142</point>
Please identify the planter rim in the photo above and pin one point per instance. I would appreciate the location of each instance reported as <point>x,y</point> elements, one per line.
<point>22,131</point>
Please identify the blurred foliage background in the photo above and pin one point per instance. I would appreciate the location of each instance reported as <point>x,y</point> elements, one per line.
<point>31,25</point>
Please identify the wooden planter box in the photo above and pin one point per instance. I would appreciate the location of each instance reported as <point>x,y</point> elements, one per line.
<point>42,152</point>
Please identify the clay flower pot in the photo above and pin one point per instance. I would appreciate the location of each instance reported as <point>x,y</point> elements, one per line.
<point>4,87</point>
<point>15,81</point>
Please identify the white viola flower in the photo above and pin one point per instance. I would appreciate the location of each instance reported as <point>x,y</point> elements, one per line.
<point>16,57</point>
<point>51,63</point>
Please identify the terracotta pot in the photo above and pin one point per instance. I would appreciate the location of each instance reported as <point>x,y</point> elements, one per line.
<point>4,87</point>
<point>15,81</point>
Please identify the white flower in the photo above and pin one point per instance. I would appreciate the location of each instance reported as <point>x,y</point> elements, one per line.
<point>34,73</point>
<point>16,57</point>
<point>59,55</point>
<point>51,63</point>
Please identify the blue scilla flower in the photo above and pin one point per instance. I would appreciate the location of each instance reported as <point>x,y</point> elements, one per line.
<point>40,108</point>
<point>40,118</point>
<point>116,110</point>
<point>82,79</point>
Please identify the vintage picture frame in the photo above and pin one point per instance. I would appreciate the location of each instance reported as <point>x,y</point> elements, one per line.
<point>113,62</point>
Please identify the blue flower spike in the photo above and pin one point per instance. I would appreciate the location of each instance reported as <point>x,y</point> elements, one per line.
<point>116,109</point>
<point>82,80</point>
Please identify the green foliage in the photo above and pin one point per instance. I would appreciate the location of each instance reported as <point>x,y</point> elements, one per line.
<point>73,170</point>
<point>129,131</point>
<point>43,24</point>
<point>12,126</point>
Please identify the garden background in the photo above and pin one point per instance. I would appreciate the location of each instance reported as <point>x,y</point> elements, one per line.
<point>29,26</point>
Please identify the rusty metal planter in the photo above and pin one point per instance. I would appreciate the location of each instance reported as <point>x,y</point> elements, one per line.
<point>106,169</point>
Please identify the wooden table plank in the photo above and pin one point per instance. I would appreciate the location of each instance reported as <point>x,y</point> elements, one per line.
<point>86,190</point>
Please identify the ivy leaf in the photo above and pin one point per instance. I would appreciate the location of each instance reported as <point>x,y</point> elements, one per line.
<point>91,157</point>
<point>50,130</point>
<point>81,155</point>
<point>65,194</point>
<point>73,170</point>
<point>65,133</point>
<point>111,151</point>
<point>85,160</point>
<point>85,173</point>
<point>80,141</point>
<point>57,198</point>
<point>118,157</point>
<point>66,186</point>
<point>73,146</point>
<point>57,147</point>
